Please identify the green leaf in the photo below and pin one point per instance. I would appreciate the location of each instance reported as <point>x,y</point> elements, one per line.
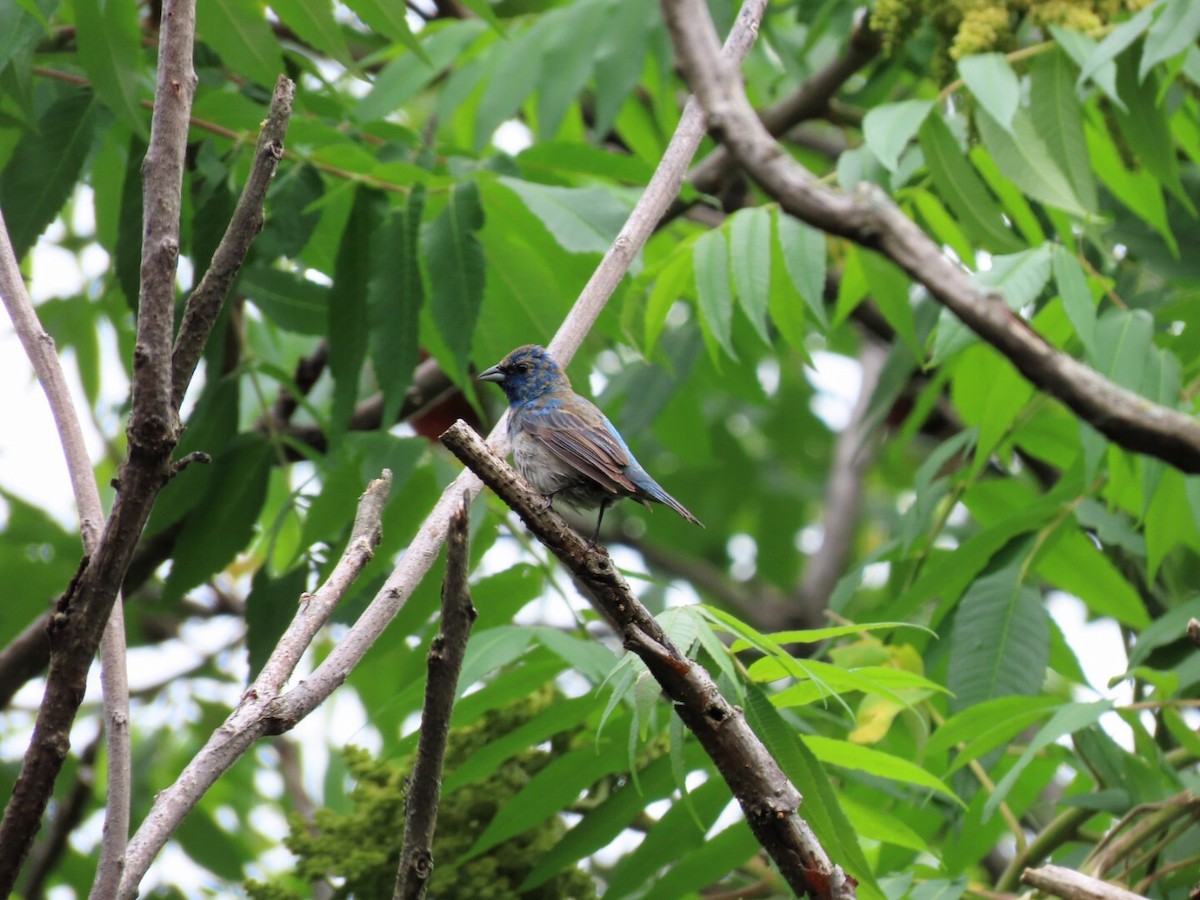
<point>454,260</point>
<point>568,52</point>
<point>887,129</point>
<point>517,63</point>
<point>679,830</point>
<point>889,286</point>
<point>394,299</point>
<point>110,51</point>
<point>802,248</point>
<point>710,261</point>
<point>582,220</point>
<point>1116,41</point>
<point>314,22</point>
<point>1069,719</point>
<point>822,808</point>
<point>874,762</point>
<point>873,823</point>
<point>620,59</point>
<point>221,524</point>
<point>348,304</point>
<point>240,33</point>
<point>602,824</point>
<point>21,28</point>
<point>1123,341</point>
<point>1000,644</point>
<point>994,84</point>
<point>964,192</point>
<point>984,726</point>
<point>270,607</point>
<point>44,167</point>
<point>1147,131</point>
<point>1080,48</point>
<point>287,299</point>
<point>483,9</point>
<point>405,76</point>
<point>670,283</point>
<point>1173,31</point>
<point>750,254</point>
<point>550,791</point>
<point>1077,299</point>
<point>390,20</point>
<point>1022,156</point>
<point>944,227</point>
<point>1139,191</point>
<point>1055,112</point>
<point>706,864</point>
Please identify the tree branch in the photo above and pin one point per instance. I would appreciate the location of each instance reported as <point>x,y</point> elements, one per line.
<point>204,305</point>
<point>769,801</point>
<point>258,713</point>
<point>868,217</point>
<point>1072,885</point>
<point>446,654</point>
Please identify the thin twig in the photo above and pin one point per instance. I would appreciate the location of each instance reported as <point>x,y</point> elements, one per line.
<point>446,654</point>
<point>768,799</point>
<point>869,217</point>
<point>259,712</point>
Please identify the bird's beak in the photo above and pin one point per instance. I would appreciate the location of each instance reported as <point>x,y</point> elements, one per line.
<point>492,374</point>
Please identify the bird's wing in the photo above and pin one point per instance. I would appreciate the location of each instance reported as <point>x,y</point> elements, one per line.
<point>585,443</point>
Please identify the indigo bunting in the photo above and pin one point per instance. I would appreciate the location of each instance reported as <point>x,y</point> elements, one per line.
<point>563,445</point>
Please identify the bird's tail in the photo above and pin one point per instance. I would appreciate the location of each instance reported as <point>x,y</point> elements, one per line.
<point>655,492</point>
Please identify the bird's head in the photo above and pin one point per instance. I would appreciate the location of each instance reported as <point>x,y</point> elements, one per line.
<point>526,374</point>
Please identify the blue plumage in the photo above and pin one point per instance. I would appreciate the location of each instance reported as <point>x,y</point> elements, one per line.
<point>563,445</point>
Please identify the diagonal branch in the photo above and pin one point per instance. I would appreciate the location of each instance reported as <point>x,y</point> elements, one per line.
<point>446,654</point>
<point>258,713</point>
<point>868,217</point>
<point>768,799</point>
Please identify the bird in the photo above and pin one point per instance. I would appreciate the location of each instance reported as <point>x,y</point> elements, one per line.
<point>564,445</point>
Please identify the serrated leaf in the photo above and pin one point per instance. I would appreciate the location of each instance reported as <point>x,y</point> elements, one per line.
<point>314,22</point>
<point>395,295</point>
<point>888,128</point>
<point>964,192</point>
<point>1147,131</point>
<point>348,304</point>
<point>1022,156</point>
<point>110,51</point>
<point>568,52</point>
<point>710,262</point>
<point>1123,341</point>
<point>1173,31</point>
<point>1076,298</point>
<point>517,63</point>
<point>670,284</point>
<point>1000,644</point>
<point>550,791</point>
<point>1080,48</point>
<point>992,81</point>
<point>221,524</point>
<point>874,762</point>
<point>1055,111</point>
<point>750,253</point>
<point>822,809</point>
<point>671,836</point>
<point>1117,40</point>
<point>802,249</point>
<point>44,167</point>
<point>706,864</point>
<point>1069,719</point>
<point>21,28</point>
<point>454,259</point>
<point>389,19</point>
<point>582,220</point>
<point>237,30</point>
<point>286,299</point>
<point>620,59</point>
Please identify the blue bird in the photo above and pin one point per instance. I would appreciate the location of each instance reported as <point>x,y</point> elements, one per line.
<point>563,445</point>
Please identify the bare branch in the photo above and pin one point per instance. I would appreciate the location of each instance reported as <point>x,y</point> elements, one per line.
<point>67,816</point>
<point>446,654</point>
<point>868,217</point>
<point>258,713</point>
<point>1072,885</point>
<point>204,305</point>
<point>768,799</point>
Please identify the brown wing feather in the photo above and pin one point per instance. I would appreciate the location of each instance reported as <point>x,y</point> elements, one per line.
<point>592,451</point>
